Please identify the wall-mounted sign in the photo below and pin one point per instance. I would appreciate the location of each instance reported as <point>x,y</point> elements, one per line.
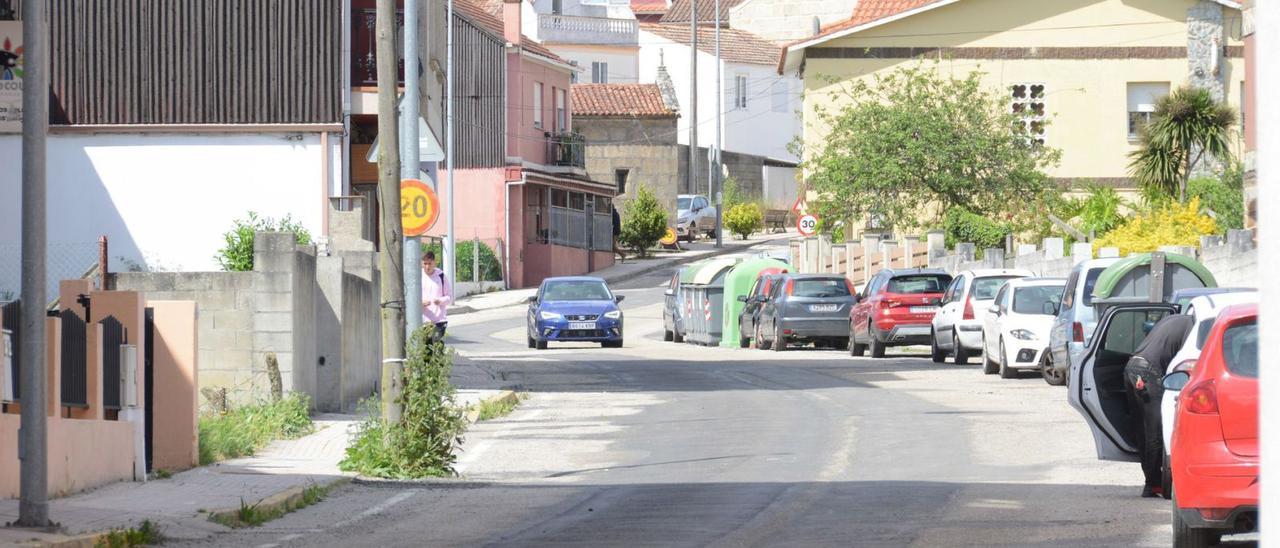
<point>11,74</point>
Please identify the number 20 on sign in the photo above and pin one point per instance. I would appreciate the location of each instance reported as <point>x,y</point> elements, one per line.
<point>807,225</point>
<point>419,207</point>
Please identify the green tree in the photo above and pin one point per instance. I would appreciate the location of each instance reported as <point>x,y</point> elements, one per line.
<point>237,256</point>
<point>1187,126</point>
<point>1223,195</point>
<point>644,221</point>
<point>908,146</point>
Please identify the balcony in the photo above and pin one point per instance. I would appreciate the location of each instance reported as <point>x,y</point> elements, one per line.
<point>566,149</point>
<point>573,29</point>
<point>364,66</point>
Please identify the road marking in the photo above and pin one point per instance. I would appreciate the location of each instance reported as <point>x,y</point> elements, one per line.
<point>378,509</point>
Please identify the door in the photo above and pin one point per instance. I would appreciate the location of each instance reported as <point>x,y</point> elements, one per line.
<point>1060,334</point>
<point>1097,388</point>
<point>991,322</point>
<point>944,321</point>
<point>860,317</point>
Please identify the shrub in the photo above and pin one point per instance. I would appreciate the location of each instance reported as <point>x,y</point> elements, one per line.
<point>421,444</point>
<point>963,226</point>
<point>237,256</point>
<point>1100,212</point>
<point>1171,224</point>
<point>245,429</point>
<point>1224,196</point>
<point>490,267</point>
<point>644,222</point>
<point>743,219</point>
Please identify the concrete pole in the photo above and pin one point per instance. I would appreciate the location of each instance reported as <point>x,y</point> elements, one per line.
<point>719,186</point>
<point>391,255</point>
<point>693,98</point>
<point>451,269</point>
<point>410,168</point>
<point>33,441</point>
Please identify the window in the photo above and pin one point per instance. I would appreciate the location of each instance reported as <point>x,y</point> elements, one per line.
<point>557,7</point>
<point>1000,298</point>
<point>537,104</point>
<point>562,120</point>
<point>599,72</point>
<point>1032,300</point>
<point>740,91</point>
<point>781,95</point>
<point>620,177</point>
<point>986,288</point>
<point>577,201</point>
<point>1240,349</point>
<point>820,288</point>
<point>1029,106</point>
<point>559,197</point>
<point>918,284</point>
<point>536,220</point>
<point>1142,102</point>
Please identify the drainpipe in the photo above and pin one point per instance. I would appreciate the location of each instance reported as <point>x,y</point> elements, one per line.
<point>345,190</point>
<point>506,216</point>
<point>325,159</point>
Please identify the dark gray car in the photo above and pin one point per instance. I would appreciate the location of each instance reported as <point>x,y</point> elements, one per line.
<point>754,300</point>
<point>804,308</point>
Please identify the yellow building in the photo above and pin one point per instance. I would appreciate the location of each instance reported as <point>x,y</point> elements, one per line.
<point>1093,67</point>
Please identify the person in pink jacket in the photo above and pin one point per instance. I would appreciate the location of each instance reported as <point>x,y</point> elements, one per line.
<point>435,296</point>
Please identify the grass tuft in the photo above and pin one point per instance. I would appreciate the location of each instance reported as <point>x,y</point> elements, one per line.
<point>145,534</point>
<point>244,430</point>
<point>494,409</point>
<point>253,515</point>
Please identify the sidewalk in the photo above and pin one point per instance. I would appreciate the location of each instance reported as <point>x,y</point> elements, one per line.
<point>621,272</point>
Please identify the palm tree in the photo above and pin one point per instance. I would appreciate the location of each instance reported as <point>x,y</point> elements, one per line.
<point>1186,126</point>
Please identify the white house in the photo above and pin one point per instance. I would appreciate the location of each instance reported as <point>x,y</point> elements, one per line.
<point>599,36</point>
<point>759,106</point>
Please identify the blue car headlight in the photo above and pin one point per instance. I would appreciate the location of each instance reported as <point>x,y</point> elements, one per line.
<point>549,315</point>
<point>613,314</point>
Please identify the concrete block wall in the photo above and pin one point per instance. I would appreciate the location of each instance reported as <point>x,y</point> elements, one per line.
<point>1233,260</point>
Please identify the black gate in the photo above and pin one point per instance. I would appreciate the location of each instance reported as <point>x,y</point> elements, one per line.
<point>113,335</point>
<point>148,355</point>
<point>75,378</point>
<point>11,314</point>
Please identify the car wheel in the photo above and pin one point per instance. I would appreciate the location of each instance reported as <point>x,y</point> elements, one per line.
<point>1006,372</point>
<point>692,234</point>
<point>779,341</point>
<point>989,366</point>
<point>541,345</point>
<point>962,355</point>
<point>1186,536</point>
<point>877,347</point>
<point>1166,479</point>
<point>935,352</point>
<point>1054,378</point>
<point>668,336</point>
<point>743,340</point>
<point>677,336</point>
<point>761,343</point>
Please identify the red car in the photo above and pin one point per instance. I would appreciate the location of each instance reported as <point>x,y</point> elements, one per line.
<point>1214,454</point>
<point>895,309</point>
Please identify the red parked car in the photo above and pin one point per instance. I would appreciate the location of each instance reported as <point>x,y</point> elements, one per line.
<point>1215,435</point>
<point>895,309</point>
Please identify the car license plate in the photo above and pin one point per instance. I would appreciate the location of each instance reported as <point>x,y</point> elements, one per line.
<point>582,325</point>
<point>924,309</point>
<point>823,307</point>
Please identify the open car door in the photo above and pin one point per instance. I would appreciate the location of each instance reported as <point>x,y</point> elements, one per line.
<point>1097,388</point>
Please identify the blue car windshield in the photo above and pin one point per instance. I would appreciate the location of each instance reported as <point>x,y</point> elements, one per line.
<point>584,290</point>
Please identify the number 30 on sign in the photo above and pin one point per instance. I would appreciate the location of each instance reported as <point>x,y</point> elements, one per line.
<point>419,207</point>
<point>807,225</point>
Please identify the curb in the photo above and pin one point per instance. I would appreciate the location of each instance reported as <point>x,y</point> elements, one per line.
<point>285,500</point>
<point>508,396</point>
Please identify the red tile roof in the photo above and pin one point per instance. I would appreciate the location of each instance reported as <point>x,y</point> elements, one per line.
<point>648,7</point>
<point>630,100</point>
<point>736,46</point>
<point>866,11</point>
<point>477,12</point>
<point>679,11</point>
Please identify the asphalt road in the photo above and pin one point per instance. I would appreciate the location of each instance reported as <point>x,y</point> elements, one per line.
<point>659,444</point>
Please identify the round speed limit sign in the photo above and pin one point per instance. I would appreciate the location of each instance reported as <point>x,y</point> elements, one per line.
<point>419,207</point>
<point>807,225</point>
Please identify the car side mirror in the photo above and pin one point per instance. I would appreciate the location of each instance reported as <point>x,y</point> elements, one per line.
<point>618,298</point>
<point>1176,381</point>
<point>533,299</point>
<point>669,292</point>
<point>1050,309</point>
<point>743,298</point>
<point>994,310</point>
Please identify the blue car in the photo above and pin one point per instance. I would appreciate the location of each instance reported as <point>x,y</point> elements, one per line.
<point>575,309</point>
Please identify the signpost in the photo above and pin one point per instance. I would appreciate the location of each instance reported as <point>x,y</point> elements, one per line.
<point>419,207</point>
<point>807,225</point>
<point>668,237</point>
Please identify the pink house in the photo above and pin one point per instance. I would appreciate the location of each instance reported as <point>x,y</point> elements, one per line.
<point>521,180</point>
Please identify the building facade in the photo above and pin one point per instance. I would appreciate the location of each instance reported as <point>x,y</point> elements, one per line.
<point>631,138</point>
<point>1088,85</point>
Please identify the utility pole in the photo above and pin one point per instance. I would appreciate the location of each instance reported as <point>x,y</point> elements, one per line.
<point>715,166</point>
<point>33,440</point>
<point>693,98</point>
<point>389,259</point>
<point>451,266</point>
<point>410,168</point>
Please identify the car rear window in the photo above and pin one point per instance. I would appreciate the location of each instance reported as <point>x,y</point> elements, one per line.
<point>1203,332</point>
<point>1031,300</point>
<point>1240,349</point>
<point>984,289</point>
<point>918,284</point>
<point>1090,280</point>
<point>576,291</point>
<point>820,287</point>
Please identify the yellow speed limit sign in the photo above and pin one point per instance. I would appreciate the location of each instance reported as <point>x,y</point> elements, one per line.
<point>419,207</point>
<point>669,238</point>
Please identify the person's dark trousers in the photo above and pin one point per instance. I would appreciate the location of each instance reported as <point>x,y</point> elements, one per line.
<point>437,334</point>
<point>1144,405</point>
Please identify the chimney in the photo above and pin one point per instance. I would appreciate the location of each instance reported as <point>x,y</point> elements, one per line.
<point>511,29</point>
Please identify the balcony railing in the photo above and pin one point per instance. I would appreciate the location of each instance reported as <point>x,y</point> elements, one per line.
<point>574,29</point>
<point>566,149</point>
<point>364,65</point>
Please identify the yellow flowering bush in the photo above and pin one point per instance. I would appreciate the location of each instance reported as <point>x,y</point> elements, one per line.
<point>1174,224</point>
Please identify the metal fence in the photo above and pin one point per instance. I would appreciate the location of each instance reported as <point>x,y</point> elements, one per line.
<point>568,227</point>
<point>63,261</point>
<point>602,232</point>
<point>114,334</point>
<point>75,374</point>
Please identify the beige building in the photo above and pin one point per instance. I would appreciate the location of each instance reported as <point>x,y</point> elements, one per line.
<point>1085,72</point>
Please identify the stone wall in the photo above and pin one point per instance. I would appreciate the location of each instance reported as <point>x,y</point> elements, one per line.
<point>656,166</point>
<point>746,169</point>
<point>626,131</point>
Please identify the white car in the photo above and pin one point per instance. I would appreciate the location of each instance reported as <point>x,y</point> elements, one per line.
<point>1076,319</point>
<point>1015,331</point>
<point>1205,310</point>
<point>957,327</point>
<point>694,214</point>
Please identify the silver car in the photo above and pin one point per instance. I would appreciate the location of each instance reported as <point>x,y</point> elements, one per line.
<point>804,308</point>
<point>1075,321</point>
